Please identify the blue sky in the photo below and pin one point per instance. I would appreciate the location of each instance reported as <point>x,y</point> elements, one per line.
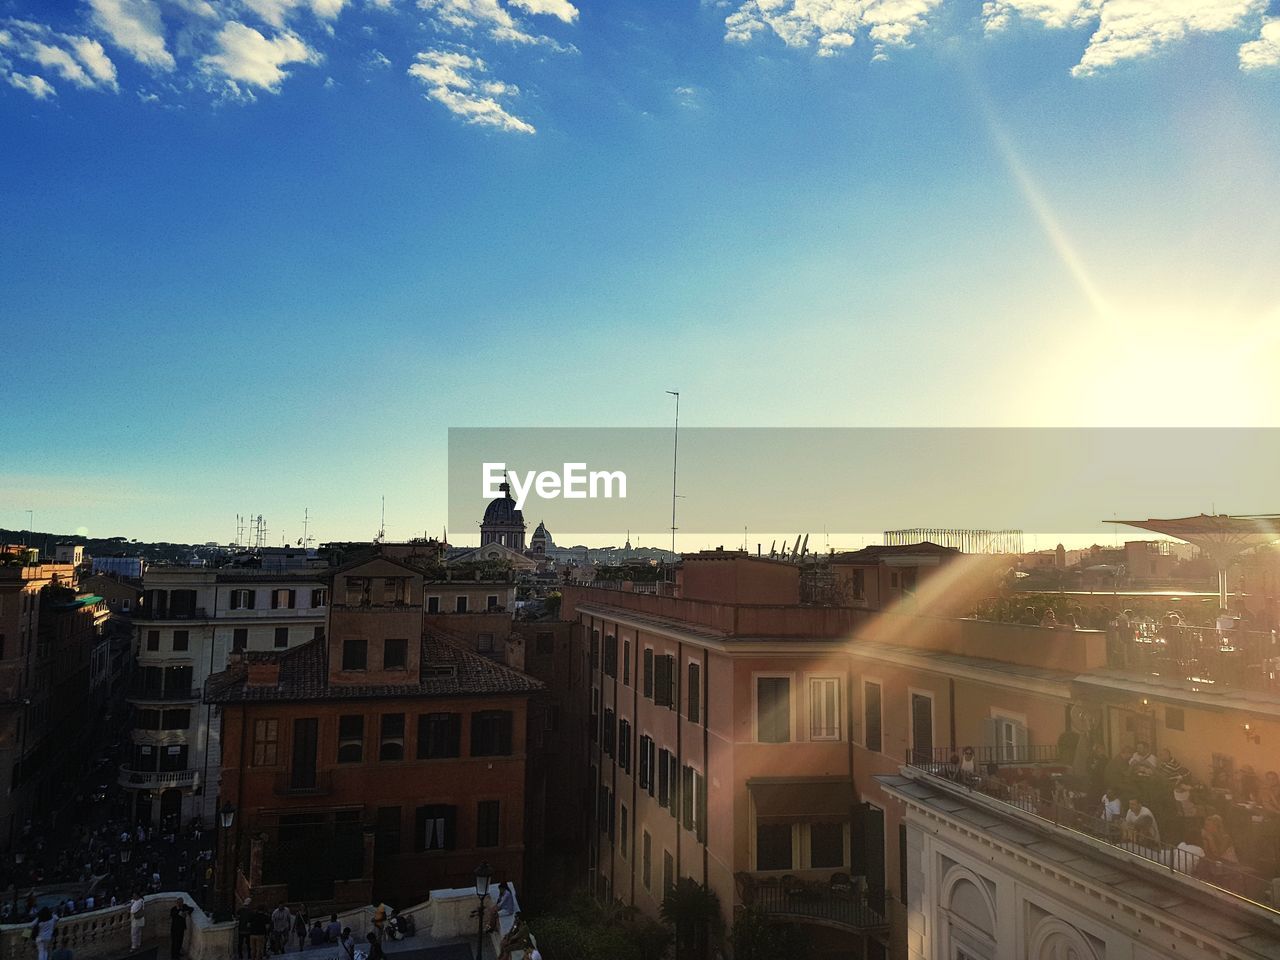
<point>259,256</point>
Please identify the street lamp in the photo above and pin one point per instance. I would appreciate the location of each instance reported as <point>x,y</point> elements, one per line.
<point>484,873</point>
<point>226,893</point>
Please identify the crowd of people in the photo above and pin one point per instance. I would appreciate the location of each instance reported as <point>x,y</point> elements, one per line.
<point>292,929</point>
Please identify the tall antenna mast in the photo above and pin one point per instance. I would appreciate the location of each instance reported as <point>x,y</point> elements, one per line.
<point>382,525</point>
<point>675,453</point>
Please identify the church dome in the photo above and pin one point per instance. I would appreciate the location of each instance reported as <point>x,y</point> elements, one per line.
<point>542,533</point>
<point>502,512</point>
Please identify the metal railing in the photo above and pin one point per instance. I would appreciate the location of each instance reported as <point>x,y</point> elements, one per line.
<point>984,756</point>
<point>190,613</point>
<point>1061,810</point>
<point>1207,657</point>
<point>157,779</point>
<point>840,901</point>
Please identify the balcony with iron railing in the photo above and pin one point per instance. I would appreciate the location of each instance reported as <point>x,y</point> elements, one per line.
<point>840,900</point>
<point>158,779</point>
<point>1069,811</point>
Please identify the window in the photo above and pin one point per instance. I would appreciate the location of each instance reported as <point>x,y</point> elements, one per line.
<point>611,656</point>
<point>624,745</point>
<point>460,604</point>
<point>173,757</point>
<point>144,719</point>
<point>689,796</point>
<point>646,763</point>
<point>648,672</point>
<point>282,637</point>
<point>544,644</point>
<point>284,599</point>
<point>386,834</point>
<point>484,642</point>
<point>605,811</point>
<point>491,602</point>
<point>395,654</point>
<point>824,708</point>
<point>350,739</point>
<point>393,590</point>
<point>871,715</point>
<point>922,727</point>
<point>320,598</point>
<point>664,778</point>
<point>626,663</point>
<point>694,693</point>
<point>357,591</point>
<point>893,580</point>
<point>593,728</point>
<point>826,845</point>
<point>153,639</point>
<point>355,654</point>
<point>243,599</point>
<point>433,604</point>
<point>317,633</point>
<point>773,846</point>
<point>622,833</point>
<point>488,819</point>
<point>646,859</point>
<point>664,681</point>
<point>266,743</point>
<point>668,872</point>
<point>491,733</point>
<point>175,720</point>
<point>439,735</point>
<point>391,741</point>
<point>1008,737</point>
<point>607,732</point>
<point>595,649</point>
<point>302,771</point>
<point>773,709</point>
<point>435,826</point>
<point>239,639</point>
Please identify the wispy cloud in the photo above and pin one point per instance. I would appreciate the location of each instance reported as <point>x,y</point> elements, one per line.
<point>457,81</point>
<point>135,26</point>
<point>37,86</point>
<point>831,26</point>
<point>1126,29</point>
<point>76,59</point>
<point>491,17</point>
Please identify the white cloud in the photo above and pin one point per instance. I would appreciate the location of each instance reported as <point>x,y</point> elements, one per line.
<point>561,9</point>
<point>378,60</point>
<point>1265,51</point>
<point>135,26</point>
<point>831,24</point>
<point>275,12</point>
<point>37,86</point>
<point>1126,29</point>
<point>245,56</point>
<point>494,18</point>
<point>456,81</point>
<point>78,60</point>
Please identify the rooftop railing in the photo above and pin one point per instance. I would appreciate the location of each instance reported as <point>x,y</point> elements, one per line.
<point>842,900</point>
<point>1061,810</point>
<point>1206,657</point>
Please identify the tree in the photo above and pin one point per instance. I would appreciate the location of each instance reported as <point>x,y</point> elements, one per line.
<point>693,910</point>
<point>756,936</point>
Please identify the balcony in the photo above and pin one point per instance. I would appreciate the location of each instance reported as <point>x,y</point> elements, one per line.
<point>840,901</point>
<point>158,779</point>
<point>290,785</point>
<point>1207,658</point>
<point>185,613</point>
<point>1061,810</point>
<point>152,695</point>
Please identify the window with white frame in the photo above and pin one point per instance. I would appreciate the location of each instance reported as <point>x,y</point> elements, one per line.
<point>773,709</point>
<point>824,708</point>
<point>1007,736</point>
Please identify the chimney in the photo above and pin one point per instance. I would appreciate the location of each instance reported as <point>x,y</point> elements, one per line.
<point>263,674</point>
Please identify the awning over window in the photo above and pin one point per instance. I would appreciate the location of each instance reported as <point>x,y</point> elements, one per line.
<point>791,800</point>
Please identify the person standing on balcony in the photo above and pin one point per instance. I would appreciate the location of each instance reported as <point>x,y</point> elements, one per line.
<point>46,923</point>
<point>137,920</point>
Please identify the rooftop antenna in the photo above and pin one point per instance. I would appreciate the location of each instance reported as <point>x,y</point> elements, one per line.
<point>30,528</point>
<point>804,551</point>
<point>675,451</point>
<point>382,525</point>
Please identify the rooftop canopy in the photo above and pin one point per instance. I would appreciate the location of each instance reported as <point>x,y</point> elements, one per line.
<point>1221,537</point>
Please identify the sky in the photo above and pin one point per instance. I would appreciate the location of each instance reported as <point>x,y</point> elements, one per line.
<point>257,256</point>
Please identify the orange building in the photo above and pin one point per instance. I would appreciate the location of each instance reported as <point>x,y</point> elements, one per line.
<point>374,761</point>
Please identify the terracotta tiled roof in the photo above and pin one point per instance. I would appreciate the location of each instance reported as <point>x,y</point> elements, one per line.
<point>448,670</point>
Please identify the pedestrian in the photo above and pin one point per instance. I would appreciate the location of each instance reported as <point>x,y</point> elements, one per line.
<point>177,930</point>
<point>259,927</point>
<point>137,920</point>
<point>347,945</point>
<point>243,921</point>
<point>300,926</point>
<point>316,936</point>
<point>333,929</point>
<point>46,923</point>
<point>281,925</point>
<point>375,948</point>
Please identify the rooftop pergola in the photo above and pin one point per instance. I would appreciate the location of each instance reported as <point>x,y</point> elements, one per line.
<point>1222,538</point>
